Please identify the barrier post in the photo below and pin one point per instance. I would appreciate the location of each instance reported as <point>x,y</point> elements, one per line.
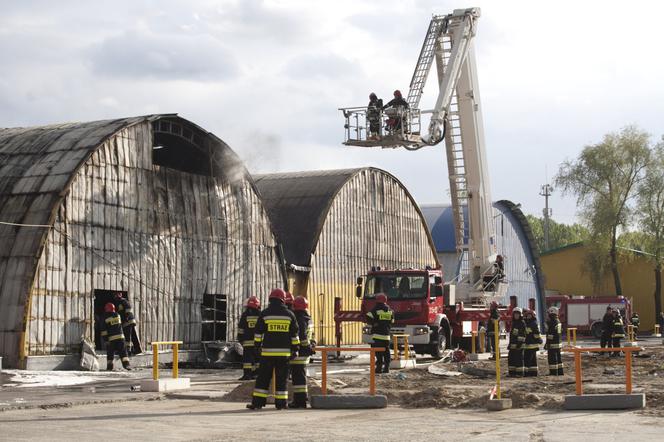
<point>324,369</point>
<point>155,361</point>
<point>472,343</point>
<point>497,343</point>
<point>628,372</point>
<point>628,364</point>
<point>175,361</point>
<point>656,329</point>
<point>482,339</point>
<point>574,335</point>
<point>395,343</point>
<point>372,372</point>
<point>577,372</point>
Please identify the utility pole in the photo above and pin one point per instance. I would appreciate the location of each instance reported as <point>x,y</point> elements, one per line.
<point>546,193</point>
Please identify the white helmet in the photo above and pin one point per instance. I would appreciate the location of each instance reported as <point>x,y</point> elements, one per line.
<point>553,310</point>
<point>517,310</point>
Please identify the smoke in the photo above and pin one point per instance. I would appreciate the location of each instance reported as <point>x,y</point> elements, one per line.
<point>261,152</point>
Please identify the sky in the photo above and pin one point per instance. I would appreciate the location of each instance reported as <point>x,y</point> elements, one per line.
<point>268,77</point>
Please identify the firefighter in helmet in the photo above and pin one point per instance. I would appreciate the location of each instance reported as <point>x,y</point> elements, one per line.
<point>554,342</point>
<point>617,331</point>
<point>515,345</point>
<point>381,319</point>
<point>289,300</point>
<point>114,337</point>
<point>532,343</point>
<point>132,341</point>
<point>494,320</point>
<point>299,364</point>
<point>245,336</point>
<point>277,339</point>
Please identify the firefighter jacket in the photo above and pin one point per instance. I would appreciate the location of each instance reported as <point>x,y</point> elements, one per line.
<point>112,328</point>
<point>276,332</point>
<point>607,323</point>
<point>381,319</point>
<point>635,320</point>
<point>246,327</point>
<point>533,338</point>
<point>396,102</point>
<point>554,334</point>
<point>374,109</point>
<point>126,313</point>
<point>306,333</point>
<point>618,331</point>
<point>517,335</point>
<point>494,318</point>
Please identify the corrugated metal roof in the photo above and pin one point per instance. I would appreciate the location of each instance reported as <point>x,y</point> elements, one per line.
<point>297,203</point>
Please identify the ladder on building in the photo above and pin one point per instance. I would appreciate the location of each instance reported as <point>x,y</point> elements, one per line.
<point>425,60</point>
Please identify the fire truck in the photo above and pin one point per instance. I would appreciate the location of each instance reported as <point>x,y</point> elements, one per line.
<point>432,312</point>
<point>586,313</point>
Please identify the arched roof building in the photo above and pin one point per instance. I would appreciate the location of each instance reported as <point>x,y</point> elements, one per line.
<point>154,207</point>
<point>334,226</point>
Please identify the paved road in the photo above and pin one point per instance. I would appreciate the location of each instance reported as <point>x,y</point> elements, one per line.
<point>177,419</point>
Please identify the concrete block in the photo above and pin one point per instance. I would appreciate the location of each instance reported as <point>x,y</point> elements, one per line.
<point>402,363</point>
<point>336,401</point>
<point>166,384</point>
<point>198,395</point>
<point>473,357</point>
<point>498,404</point>
<point>605,401</point>
<point>630,344</point>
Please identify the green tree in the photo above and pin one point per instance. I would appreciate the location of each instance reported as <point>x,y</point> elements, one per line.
<point>651,216</point>
<point>560,234</point>
<point>604,179</point>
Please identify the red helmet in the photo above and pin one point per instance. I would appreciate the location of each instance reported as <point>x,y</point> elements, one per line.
<point>381,298</point>
<point>288,299</point>
<point>253,302</point>
<point>277,294</point>
<point>300,303</point>
<point>109,307</point>
<point>397,93</point>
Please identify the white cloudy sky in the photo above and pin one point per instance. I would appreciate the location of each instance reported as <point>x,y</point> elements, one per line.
<point>268,76</point>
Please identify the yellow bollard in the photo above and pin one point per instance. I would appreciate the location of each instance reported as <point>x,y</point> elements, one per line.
<point>155,361</point>
<point>482,339</point>
<point>175,361</point>
<point>472,342</point>
<point>395,344</point>
<point>497,334</point>
<point>656,329</point>
<point>574,336</point>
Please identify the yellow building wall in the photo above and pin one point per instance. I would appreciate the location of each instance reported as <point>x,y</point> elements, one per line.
<point>563,273</point>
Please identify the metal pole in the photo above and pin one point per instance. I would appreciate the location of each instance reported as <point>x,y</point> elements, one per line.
<point>175,360</point>
<point>155,361</point>
<point>497,343</point>
<point>546,193</point>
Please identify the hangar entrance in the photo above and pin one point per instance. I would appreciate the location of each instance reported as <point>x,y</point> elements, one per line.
<point>101,298</point>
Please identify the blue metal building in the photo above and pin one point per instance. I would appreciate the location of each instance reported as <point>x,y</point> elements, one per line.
<point>514,240</point>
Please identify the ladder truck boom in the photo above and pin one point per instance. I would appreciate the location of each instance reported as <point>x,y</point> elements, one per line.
<point>455,119</point>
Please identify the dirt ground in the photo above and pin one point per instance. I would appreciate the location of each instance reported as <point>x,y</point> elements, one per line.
<point>418,388</point>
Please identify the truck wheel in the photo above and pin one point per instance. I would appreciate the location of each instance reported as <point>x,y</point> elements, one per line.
<point>596,329</point>
<point>439,345</point>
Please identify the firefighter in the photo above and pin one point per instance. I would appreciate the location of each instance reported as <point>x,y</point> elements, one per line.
<point>245,336</point>
<point>617,332</point>
<point>132,341</point>
<point>401,106</point>
<point>554,342</point>
<point>635,320</point>
<point>289,301</point>
<point>532,343</point>
<point>114,337</point>
<point>607,327</point>
<point>494,318</point>
<point>516,342</point>
<point>374,109</point>
<point>299,364</point>
<point>381,319</point>
<point>276,338</point>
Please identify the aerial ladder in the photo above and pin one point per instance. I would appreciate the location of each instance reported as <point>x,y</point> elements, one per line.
<point>456,119</point>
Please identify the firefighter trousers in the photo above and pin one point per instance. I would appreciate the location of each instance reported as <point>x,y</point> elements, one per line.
<point>268,365</point>
<point>605,340</point>
<point>117,346</point>
<point>298,367</point>
<point>382,357</point>
<point>530,362</point>
<point>515,363</point>
<point>132,341</point>
<point>615,343</point>
<point>248,360</point>
<point>555,362</point>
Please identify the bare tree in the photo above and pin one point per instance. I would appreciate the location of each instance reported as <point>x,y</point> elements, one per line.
<point>604,179</point>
